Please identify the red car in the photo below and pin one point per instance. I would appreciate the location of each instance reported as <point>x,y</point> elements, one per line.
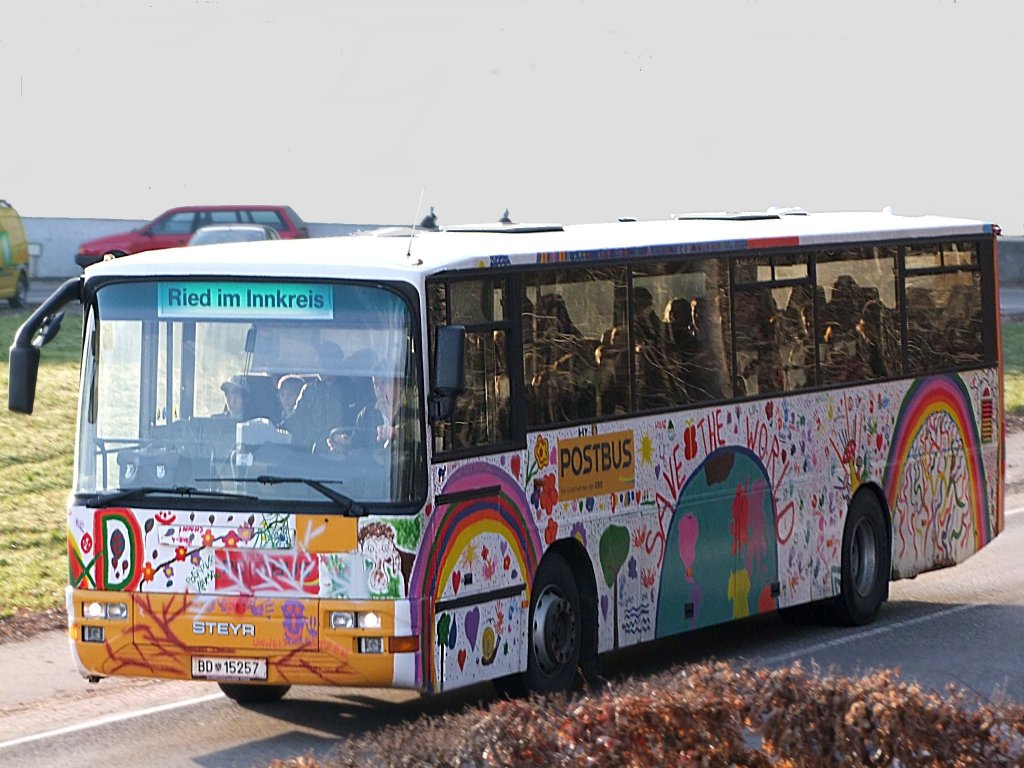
<point>174,227</point>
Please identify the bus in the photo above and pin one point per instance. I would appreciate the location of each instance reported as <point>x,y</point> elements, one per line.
<point>428,457</point>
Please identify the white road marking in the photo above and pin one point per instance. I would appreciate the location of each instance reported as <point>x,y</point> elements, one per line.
<point>108,720</point>
<point>848,638</point>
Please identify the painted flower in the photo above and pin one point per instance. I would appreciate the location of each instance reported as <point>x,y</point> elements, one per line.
<point>148,572</point>
<point>245,532</point>
<point>231,540</point>
<point>549,494</point>
<point>551,532</point>
<point>540,452</point>
<point>195,559</point>
<point>180,553</point>
<point>87,543</point>
<point>208,538</point>
<point>168,571</point>
<point>579,532</point>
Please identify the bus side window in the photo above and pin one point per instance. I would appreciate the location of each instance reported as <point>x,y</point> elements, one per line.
<point>565,376</point>
<point>481,414</point>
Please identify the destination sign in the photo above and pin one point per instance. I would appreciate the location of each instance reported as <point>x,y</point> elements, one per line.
<point>224,300</point>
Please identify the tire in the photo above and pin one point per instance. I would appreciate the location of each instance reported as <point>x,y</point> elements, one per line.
<point>253,694</point>
<point>865,562</point>
<point>555,632</point>
<point>17,301</point>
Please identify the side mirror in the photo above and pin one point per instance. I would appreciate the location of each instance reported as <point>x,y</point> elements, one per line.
<point>449,376</point>
<point>40,329</point>
<point>21,386</point>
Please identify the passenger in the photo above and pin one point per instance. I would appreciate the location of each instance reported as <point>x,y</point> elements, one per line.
<point>236,394</point>
<point>321,405</point>
<point>288,390</point>
<point>646,325</point>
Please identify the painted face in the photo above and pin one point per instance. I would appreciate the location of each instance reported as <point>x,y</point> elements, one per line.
<point>380,551</point>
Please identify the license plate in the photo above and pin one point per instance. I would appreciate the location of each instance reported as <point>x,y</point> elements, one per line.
<point>219,668</point>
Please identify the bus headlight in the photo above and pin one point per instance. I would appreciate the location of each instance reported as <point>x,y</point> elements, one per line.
<point>343,620</point>
<point>371,645</point>
<point>369,620</point>
<point>97,610</point>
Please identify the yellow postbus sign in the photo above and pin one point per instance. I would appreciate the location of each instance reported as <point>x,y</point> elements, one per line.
<point>595,464</point>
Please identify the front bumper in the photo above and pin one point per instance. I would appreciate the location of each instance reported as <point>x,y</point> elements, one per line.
<point>162,633</point>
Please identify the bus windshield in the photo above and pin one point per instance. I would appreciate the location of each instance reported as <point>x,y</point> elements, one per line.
<point>283,391</point>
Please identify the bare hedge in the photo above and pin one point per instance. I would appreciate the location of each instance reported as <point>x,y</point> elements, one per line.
<point>710,715</point>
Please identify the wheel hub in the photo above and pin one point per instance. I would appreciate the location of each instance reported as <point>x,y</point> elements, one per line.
<point>554,630</point>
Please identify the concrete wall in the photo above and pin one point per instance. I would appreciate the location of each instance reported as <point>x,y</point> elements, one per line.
<point>54,241</point>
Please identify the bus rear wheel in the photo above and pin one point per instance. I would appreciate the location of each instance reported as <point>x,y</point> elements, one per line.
<point>865,562</point>
<point>253,694</point>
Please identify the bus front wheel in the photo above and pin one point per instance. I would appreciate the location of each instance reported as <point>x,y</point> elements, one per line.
<point>253,694</point>
<point>865,561</point>
<point>555,634</point>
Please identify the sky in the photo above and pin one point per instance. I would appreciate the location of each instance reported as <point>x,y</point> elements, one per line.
<point>370,112</point>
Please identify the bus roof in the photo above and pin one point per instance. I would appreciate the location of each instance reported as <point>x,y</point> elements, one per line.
<point>410,255</point>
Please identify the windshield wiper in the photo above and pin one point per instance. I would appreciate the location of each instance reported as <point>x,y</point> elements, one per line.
<point>346,505</point>
<point>115,497</point>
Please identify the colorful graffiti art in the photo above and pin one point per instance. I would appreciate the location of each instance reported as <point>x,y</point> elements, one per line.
<point>482,541</point>
<point>935,478</point>
<point>719,567</point>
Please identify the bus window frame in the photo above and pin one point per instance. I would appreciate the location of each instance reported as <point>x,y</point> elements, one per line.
<point>516,278</point>
<point>407,292</point>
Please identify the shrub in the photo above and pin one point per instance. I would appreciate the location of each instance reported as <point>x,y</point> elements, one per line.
<point>709,715</point>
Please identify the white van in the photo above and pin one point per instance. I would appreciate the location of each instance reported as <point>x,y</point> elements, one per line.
<point>13,257</point>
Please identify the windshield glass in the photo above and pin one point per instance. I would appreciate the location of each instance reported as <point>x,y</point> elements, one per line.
<point>251,387</point>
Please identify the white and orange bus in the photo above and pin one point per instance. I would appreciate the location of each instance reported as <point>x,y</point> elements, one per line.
<point>456,454</point>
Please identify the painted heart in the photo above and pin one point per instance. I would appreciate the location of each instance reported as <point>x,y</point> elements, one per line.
<point>690,442</point>
<point>516,466</point>
<point>456,581</point>
<point>472,625</point>
<point>462,658</point>
<point>428,509</point>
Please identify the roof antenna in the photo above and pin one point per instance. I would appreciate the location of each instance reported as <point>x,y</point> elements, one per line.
<point>505,218</point>
<point>429,222</point>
